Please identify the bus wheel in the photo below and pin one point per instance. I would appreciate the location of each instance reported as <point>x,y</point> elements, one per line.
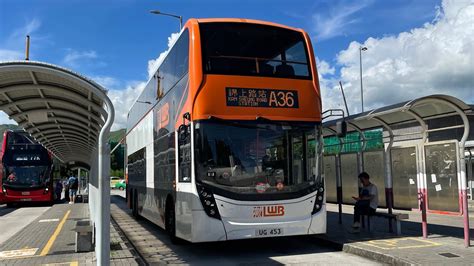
<point>170,225</point>
<point>9,205</point>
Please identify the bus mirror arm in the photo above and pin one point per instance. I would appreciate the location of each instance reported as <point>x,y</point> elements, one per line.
<point>182,132</point>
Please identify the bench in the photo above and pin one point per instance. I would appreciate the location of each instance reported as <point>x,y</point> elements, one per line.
<point>83,231</point>
<point>395,216</point>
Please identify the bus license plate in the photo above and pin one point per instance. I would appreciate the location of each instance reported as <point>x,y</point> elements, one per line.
<point>27,199</point>
<point>269,232</point>
<point>25,193</point>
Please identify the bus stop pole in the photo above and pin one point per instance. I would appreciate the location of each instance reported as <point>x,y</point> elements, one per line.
<point>339,179</point>
<point>339,186</point>
<point>103,215</point>
<point>387,157</point>
<point>463,191</point>
<point>422,192</point>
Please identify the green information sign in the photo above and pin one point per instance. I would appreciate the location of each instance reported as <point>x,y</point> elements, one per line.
<point>352,144</point>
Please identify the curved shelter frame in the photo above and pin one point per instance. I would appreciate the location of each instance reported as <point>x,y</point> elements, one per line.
<point>71,116</point>
<point>415,124</point>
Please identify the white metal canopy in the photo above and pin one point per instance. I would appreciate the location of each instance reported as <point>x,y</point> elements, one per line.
<point>416,112</point>
<point>61,109</point>
<point>425,108</point>
<point>71,116</point>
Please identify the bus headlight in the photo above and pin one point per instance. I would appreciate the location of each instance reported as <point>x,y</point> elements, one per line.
<point>4,190</point>
<point>318,200</point>
<point>46,190</point>
<point>208,201</point>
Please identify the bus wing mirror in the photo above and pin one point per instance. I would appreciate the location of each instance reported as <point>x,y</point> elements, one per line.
<point>341,128</point>
<point>182,132</point>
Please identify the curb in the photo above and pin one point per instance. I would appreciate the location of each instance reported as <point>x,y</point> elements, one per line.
<point>376,256</point>
<point>139,259</point>
<point>365,253</point>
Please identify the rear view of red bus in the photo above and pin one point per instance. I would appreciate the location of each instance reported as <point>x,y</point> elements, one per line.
<point>25,170</point>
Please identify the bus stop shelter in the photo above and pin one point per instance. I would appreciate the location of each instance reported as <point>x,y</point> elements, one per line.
<point>71,116</point>
<point>415,149</point>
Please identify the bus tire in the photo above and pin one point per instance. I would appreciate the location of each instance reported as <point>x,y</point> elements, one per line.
<point>9,205</point>
<point>170,217</point>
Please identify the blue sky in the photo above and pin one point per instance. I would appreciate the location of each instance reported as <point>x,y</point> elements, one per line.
<point>112,41</point>
<point>117,38</point>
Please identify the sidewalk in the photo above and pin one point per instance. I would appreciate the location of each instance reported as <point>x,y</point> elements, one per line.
<point>50,239</point>
<point>444,245</point>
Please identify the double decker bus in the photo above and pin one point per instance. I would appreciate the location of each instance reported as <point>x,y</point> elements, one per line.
<point>225,140</point>
<point>25,170</point>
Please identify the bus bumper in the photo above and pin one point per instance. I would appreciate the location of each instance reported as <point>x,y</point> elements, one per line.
<point>241,220</point>
<point>25,196</point>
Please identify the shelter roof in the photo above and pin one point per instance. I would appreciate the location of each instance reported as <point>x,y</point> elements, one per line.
<point>61,109</point>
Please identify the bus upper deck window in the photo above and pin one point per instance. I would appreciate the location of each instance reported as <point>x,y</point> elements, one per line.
<point>248,49</point>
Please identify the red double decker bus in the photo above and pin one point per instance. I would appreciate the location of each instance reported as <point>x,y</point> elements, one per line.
<point>25,170</point>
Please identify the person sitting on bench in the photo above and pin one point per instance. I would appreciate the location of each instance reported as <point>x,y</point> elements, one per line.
<point>367,201</point>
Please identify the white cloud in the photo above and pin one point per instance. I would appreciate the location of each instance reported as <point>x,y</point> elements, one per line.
<point>29,28</point>
<point>107,82</point>
<point>74,58</point>
<point>4,119</point>
<point>336,21</point>
<point>324,68</point>
<point>123,99</point>
<point>10,55</point>
<point>12,46</point>
<point>436,58</point>
<point>154,63</point>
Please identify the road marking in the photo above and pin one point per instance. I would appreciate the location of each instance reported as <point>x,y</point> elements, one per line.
<point>51,240</point>
<point>72,263</point>
<point>18,253</point>
<point>401,243</point>
<point>48,220</point>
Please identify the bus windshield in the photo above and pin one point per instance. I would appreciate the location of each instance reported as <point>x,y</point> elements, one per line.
<point>253,50</point>
<point>249,157</point>
<point>26,176</point>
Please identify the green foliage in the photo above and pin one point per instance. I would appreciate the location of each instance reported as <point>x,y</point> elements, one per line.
<point>118,173</point>
<point>117,158</point>
<point>116,136</point>
<point>5,127</point>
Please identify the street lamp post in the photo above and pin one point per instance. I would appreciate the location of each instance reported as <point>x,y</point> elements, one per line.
<point>157,12</point>
<point>361,87</point>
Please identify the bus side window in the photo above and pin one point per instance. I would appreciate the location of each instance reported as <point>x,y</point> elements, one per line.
<point>184,141</point>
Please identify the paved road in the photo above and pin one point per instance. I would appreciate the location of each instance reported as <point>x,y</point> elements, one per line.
<point>13,220</point>
<point>117,192</point>
<point>154,245</point>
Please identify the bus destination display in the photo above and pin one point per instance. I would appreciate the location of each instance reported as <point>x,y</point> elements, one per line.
<point>250,97</point>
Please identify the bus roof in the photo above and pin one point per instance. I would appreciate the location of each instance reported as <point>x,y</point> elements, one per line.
<point>243,20</point>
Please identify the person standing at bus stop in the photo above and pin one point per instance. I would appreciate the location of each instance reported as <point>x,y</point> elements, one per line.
<point>66,189</point>
<point>73,183</point>
<point>367,201</point>
<point>58,189</point>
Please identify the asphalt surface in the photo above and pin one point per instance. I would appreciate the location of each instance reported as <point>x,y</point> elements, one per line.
<point>12,220</point>
<point>154,246</point>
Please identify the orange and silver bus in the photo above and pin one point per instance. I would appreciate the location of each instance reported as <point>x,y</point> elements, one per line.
<point>225,142</point>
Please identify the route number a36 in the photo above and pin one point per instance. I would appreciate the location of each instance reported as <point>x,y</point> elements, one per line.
<point>281,99</point>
